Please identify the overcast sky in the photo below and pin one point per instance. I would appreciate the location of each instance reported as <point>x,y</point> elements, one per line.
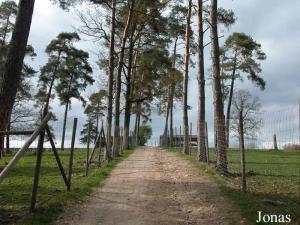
<point>273,23</point>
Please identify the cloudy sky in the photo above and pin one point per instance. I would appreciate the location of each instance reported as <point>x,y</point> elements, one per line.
<point>273,23</point>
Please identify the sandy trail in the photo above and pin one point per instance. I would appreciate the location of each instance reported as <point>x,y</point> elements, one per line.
<point>154,187</point>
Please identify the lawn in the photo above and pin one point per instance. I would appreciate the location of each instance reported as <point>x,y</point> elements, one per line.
<point>15,191</point>
<point>273,182</point>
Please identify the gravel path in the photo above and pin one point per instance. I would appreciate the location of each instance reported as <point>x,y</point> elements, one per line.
<point>154,187</point>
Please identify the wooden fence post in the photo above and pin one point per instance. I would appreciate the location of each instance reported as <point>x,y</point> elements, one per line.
<point>21,152</point>
<point>275,142</point>
<point>59,164</point>
<point>39,155</point>
<point>72,153</point>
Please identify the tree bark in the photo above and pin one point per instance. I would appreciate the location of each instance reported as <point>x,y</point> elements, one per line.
<point>242,151</point>
<point>128,103</point>
<point>173,92</point>
<point>165,136</point>
<point>202,156</point>
<point>185,81</point>
<point>8,138</point>
<point>138,129</point>
<point>116,140</point>
<point>10,78</point>
<point>64,127</point>
<point>66,116</point>
<point>217,91</point>
<point>110,80</point>
<point>230,101</point>
<point>171,117</point>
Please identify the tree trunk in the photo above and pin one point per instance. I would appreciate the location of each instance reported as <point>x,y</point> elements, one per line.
<point>138,130</point>
<point>128,102</point>
<point>242,151</point>
<point>110,80</point>
<point>165,136</point>
<point>186,80</point>
<point>230,101</point>
<point>8,137</point>
<point>173,92</point>
<point>97,125</point>
<point>116,140</point>
<point>66,116</point>
<point>171,117</point>
<point>202,156</point>
<point>217,91</point>
<point>10,78</point>
<point>64,127</point>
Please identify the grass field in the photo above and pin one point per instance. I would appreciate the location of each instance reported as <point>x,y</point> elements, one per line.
<point>15,191</point>
<point>273,182</point>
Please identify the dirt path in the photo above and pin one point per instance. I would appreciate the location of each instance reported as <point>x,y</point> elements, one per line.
<point>154,187</point>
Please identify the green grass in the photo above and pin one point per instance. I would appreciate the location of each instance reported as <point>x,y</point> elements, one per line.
<point>273,186</point>
<point>15,191</point>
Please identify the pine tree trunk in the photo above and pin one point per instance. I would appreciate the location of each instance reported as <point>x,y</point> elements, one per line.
<point>165,136</point>
<point>64,127</point>
<point>201,88</point>
<point>8,137</point>
<point>110,80</point>
<point>173,92</point>
<point>171,117</point>
<point>242,151</point>
<point>10,78</point>
<point>97,126</point>
<point>185,82</point>
<point>138,129</point>
<point>230,102</point>
<point>116,140</point>
<point>217,91</point>
<point>128,102</point>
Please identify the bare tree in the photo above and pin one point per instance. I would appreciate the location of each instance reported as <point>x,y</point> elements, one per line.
<point>245,122</point>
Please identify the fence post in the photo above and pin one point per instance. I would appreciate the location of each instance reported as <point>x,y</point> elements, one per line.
<point>275,142</point>
<point>59,164</point>
<point>88,151</point>
<point>72,153</point>
<point>21,152</point>
<point>39,155</point>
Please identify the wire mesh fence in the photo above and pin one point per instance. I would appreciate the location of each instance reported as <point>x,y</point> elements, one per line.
<point>272,153</point>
